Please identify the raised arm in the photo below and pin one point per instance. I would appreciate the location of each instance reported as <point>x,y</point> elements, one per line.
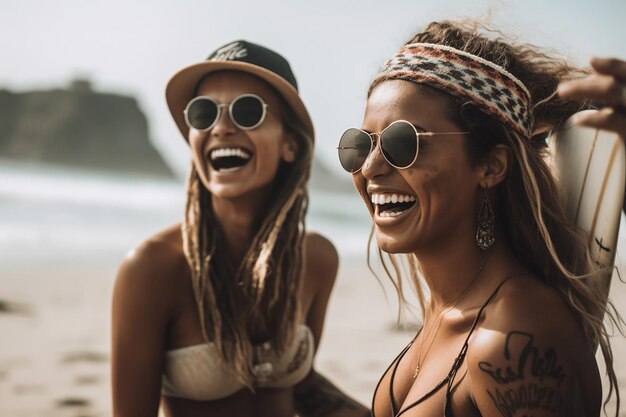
<point>143,303</point>
<point>606,87</point>
<point>316,396</point>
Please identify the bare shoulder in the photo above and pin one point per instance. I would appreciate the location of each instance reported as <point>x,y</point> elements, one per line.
<point>321,258</point>
<point>528,303</point>
<point>320,270</point>
<point>318,247</point>
<point>145,301</point>
<point>158,256</point>
<point>530,355</point>
<point>154,268</point>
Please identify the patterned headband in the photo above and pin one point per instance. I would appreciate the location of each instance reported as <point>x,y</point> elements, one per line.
<point>487,85</point>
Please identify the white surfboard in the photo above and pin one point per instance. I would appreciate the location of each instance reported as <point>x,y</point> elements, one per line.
<point>591,167</point>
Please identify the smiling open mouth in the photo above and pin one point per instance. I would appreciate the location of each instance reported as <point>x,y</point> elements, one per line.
<point>229,159</point>
<point>392,205</point>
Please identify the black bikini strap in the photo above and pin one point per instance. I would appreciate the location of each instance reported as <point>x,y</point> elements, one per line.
<point>486,303</point>
<point>449,379</point>
<point>393,376</point>
<point>395,361</point>
<point>461,357</point>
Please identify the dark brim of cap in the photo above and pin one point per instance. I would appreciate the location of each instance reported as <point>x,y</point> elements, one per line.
<point>181,88</point>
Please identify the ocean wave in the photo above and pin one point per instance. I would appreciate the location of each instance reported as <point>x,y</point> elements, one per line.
<point>56,210</point>
<point>76,187</point>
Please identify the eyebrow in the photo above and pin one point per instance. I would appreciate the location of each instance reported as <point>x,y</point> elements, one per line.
<point>419,128</point>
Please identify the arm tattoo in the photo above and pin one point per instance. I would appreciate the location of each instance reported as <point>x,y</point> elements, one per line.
<point>528,382</point>
<point>529,360</point>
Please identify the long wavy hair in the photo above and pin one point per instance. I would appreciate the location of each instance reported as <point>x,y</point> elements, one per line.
<point>262,293</point>
<point>530,201</point>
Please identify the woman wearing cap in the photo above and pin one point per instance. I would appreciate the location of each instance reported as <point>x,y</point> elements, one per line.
<point>222,315</point>
<point>450,163</point>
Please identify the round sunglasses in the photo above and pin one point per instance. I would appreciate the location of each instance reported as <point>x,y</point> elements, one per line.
<point>246,112</point>
<point>399,143</point>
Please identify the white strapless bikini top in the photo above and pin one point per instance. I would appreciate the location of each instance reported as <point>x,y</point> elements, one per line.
<point>196,372</point>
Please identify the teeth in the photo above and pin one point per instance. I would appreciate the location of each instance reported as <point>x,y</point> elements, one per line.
<point>392,198</point>
<point>390,213</point>
<point>224,152</point>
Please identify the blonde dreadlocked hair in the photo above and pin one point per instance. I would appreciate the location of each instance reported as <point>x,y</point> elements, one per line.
<point>529,201</point>
<point>263,292</point>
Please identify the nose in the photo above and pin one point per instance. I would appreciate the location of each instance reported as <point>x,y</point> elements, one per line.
<point>375,164</point>
<point>223,125</point>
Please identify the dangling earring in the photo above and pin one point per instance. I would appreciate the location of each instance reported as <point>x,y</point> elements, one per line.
<point>485,237</point>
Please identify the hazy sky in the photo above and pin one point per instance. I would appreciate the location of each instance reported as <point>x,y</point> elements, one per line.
<point>335,47</point>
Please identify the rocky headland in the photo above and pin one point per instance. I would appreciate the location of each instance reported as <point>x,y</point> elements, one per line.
<point>79,128</point>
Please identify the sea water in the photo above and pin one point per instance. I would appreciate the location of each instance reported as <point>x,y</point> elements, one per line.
<point>59,215</point>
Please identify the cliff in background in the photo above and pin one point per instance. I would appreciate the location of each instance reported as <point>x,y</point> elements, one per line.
<point>78,127</point>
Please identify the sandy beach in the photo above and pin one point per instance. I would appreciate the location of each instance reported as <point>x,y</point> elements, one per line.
<point>54,355</point>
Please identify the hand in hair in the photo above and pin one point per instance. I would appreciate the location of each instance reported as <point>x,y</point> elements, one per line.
<point>606,87</point>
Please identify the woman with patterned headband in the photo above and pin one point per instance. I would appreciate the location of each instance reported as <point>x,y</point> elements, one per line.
<point>450,163</point>
<point>221,315</point>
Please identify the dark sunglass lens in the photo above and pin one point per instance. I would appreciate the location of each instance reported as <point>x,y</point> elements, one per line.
<point>202,113</point>
<point>247,111</point>
<point>399,144</point>
<point>354,146</point>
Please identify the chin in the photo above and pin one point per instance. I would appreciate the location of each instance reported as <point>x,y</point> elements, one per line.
<point>390,244</point>
<point>225,192</point>
<point>233,190</point>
